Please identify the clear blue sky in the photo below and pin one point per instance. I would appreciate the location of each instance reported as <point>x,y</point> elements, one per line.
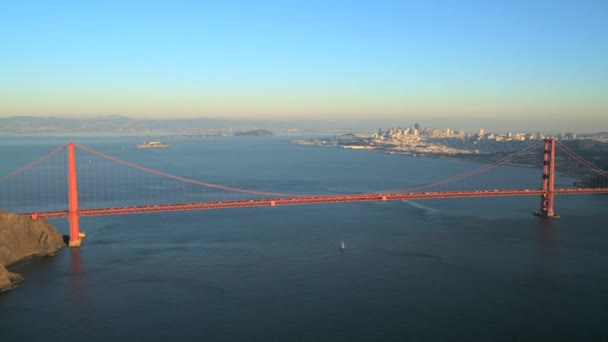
<point>318,59</point>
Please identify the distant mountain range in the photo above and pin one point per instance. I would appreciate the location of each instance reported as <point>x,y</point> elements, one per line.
<point>123,124</point>
<point>255,133</point>
<point>110,123</point>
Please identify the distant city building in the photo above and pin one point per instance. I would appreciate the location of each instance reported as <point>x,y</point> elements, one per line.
<point>420,140</point>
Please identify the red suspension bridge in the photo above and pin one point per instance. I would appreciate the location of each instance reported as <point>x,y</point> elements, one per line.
<point>39,188</point>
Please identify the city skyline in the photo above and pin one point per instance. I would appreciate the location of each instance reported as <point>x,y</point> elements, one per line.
<point>387,61</point>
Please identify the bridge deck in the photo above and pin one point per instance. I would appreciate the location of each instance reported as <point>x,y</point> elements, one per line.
<point>301,200</point>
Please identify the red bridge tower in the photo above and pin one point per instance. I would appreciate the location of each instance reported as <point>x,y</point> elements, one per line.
<point>548,181</point>
<point>73,215</point>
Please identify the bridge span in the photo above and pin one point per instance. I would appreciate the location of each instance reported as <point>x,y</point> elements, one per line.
<point>302,200</point>
<point>598,184</point>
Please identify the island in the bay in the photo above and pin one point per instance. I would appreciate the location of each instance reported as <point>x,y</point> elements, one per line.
<point>255,133</point>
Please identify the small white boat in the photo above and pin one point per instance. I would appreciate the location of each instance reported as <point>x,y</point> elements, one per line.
<point>342,246</point>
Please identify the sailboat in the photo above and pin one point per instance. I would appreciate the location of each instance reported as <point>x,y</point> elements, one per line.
<point>342,246</point>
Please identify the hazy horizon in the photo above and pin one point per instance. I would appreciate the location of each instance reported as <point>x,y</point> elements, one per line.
<point>521,65</point>
<point>472,125</point>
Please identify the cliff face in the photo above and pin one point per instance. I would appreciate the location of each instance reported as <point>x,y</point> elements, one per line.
<point>22,238</point>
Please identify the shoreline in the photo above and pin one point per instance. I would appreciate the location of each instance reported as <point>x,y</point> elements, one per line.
<point>24,240</point>
<point>470,157</point>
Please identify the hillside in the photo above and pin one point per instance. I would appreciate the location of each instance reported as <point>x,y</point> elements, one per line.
<point>22,239</point>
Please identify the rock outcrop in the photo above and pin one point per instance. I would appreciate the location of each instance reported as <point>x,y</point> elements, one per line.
<point>21,239</point>
<point>8,280</point>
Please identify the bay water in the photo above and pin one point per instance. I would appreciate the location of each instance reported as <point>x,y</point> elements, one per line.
<point>480,269</point>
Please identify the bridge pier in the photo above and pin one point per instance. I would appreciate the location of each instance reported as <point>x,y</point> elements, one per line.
<point>548,181</point>
<point>75,235</point>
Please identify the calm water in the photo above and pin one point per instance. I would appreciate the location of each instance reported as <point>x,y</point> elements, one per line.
<point>435,270</point>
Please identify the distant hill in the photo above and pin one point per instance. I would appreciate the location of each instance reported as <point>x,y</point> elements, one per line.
<point>255,133</point>
<point>595,135</point>
<point>592,150</point>
<point>106,124</point>
<point>123,124</point>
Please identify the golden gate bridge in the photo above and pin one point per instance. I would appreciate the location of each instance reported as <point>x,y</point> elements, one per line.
<point>108,188</point>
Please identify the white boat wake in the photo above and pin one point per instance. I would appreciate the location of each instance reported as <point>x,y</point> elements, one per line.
<point>425,209</point>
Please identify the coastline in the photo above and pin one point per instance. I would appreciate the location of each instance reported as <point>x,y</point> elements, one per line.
<point>483,158</point>
<point>474,157</point>
<point>23,240</point>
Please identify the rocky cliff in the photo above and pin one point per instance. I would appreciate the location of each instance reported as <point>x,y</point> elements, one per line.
<point>21,239</point>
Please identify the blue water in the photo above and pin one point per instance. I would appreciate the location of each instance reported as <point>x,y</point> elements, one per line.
<point>434,270</point>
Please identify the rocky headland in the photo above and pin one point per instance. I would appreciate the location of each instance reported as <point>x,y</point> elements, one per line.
<point>23,239</point>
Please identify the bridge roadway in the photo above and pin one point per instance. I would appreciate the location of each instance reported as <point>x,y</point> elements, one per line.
<point>313,200</point>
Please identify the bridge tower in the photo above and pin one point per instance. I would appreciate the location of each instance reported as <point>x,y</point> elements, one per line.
<point>548,181</point>
<point>73,216</point>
